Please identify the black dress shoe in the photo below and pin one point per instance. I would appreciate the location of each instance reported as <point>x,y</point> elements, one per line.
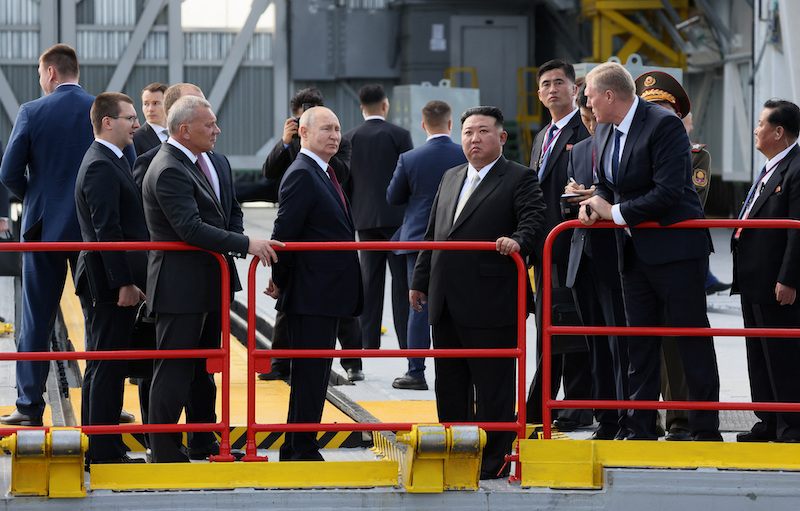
<point>487,474</point>
<point>274,374</point>
<point>17,418</point>
<point>203,452</point>
<point>355,375</point>
<point>568,424</point>
<point>717,287</point>
<point>786,440</point>
<point>754,436</point>
<point>707,437</point>
<point>605,433</point>
<point>126,418</point>
<point>409,382</point>
<point>678,435</point>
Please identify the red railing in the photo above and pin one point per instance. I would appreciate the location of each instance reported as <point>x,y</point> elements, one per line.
<point>549,330</point>
<point>217,360</point>
<point>258,360</point>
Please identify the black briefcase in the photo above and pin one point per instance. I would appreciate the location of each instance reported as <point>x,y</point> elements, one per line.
<point>564,313</point>
<point>96,277</point>
<point>143,338</point>
<point>10,262</point>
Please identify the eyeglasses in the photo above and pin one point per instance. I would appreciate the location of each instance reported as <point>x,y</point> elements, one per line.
<point>132,118</point>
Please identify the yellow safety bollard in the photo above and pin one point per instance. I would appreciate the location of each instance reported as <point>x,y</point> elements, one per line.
<point>47,463</point>
<point>29,462</point>
<point>67,448</point>
<point>442,458</point>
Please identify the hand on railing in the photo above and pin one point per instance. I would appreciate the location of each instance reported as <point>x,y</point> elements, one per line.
<point>507,246</point>
<point>264,251</point>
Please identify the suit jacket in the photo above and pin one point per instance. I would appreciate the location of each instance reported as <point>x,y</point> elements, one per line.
<point>376,147</point>
<point>654,183</point>
<point>279,159</point>
<point>480,287</point>
<point>50,136</point>
<point>180,205</point>
<point>315,283</point>
<point>145,138</point>
<point>554,179</point>
<point>415,181</point>
<point>764,257</point>
<point>3,192</point>
<point>109,208</point>
<point>602,243</point>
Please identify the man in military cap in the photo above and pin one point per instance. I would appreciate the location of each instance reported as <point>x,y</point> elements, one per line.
<point>664,90</point>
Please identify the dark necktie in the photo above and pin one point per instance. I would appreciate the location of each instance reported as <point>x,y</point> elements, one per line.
<point>743,214</point>
<point>335,182</point>
<point>201,164</point>
<point>615,155</point>
<point>547,149</point>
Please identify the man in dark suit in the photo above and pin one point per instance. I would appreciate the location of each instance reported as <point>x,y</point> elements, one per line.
<point>414,184</point>
<point>549,158</point>
<point>644,167</point>
<point>275,166</point>
<point>50,136</point>
<point>109,208</point>
<point>594,279</point>
<point>181,203</point>
<point>201,444</point>
<point>376,147</point>
<point>471,295</point>
<point>766,273</point>
<point>153,132</point>
<point>313,289</point>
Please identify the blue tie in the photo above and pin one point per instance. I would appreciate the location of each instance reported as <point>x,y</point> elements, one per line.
<point>752,191</point>
<point>615,155</point>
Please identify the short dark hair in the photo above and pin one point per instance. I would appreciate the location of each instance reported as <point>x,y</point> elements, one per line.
<point>371,93</point>
<point>436,113</point>
<point>581,98</point>
<point>310,95</point>
<point>550,65</point>
<point>63,58</point>
<point>156,87</point>
<point>106,104</point>
<point>784,113</point>
<point>490,111</point>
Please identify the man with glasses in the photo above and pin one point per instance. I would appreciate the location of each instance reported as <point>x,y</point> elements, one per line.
<point>109,209</point>
<point>50,136</point>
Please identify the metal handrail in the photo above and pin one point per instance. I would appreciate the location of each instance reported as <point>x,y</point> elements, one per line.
<point>217,360</point>
<point>256,355</point>
<point>549,329</point>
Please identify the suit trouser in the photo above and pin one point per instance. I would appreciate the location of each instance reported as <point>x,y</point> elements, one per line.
<point>309,382</point>
<point>654,295</point>
<point>600,305</point>
<point>373,275</point>
<point>43,276</point>
<point>349,334</point>
<point>673,384</point>
<point>178,382</point>
<point>772,366</point>
<point>493,379</point>
<point>419,330</point>
<point>575,368</point>
<point>108,328</point>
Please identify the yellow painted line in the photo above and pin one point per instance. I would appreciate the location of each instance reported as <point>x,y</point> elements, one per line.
<point>579,463</point>
<point>402,411</point>
<point>291,474</point>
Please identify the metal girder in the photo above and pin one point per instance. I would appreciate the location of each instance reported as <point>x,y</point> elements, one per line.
<point>281,86</point>
<point>236,54</point>
<point>174,42</point>
<point>7,98</point>
<point>68,32</point>
<point>611,20</point>
<point>138,37</point>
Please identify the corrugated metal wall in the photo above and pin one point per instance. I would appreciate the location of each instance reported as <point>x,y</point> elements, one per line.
<point>104,28</point>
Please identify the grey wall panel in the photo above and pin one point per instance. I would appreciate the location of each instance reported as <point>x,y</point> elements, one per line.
<point>19,45</point>
<point>19,12</point>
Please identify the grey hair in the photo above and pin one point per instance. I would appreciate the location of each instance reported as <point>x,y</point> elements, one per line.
<point>613,76</point>
<point>184,111</point>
